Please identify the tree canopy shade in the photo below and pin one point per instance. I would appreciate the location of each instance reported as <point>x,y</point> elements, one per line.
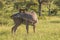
<point>1,5</point>
<point>40,5</point>
<point>57,2</point>
<point>22,4</point>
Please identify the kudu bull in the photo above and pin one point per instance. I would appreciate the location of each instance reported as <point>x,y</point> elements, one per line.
<point>26,18</point>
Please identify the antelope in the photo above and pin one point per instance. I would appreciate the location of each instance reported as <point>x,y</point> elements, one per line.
<point>27,18</point>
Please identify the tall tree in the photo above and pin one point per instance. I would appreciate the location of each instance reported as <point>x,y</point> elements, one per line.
<point>57,2</point>
<point>1,5</point>
<point>49,2</point>
<point>40,6</point>
<point>24,1</point>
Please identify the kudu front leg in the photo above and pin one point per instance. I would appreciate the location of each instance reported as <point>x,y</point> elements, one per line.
<point>17,23</point>
<point>15,28</point>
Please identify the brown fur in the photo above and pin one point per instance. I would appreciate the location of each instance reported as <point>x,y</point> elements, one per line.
<point>27,19</point>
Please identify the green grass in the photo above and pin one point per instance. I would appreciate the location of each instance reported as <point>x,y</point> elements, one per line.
<point>46,29</point>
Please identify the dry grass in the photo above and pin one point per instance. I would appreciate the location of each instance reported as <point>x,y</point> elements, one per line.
<point>48,29</point>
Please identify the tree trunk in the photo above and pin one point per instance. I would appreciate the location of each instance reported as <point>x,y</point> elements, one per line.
<point>24,1</point>
<point>31,1</point>
<point>40,9</point>
<point>49,11</point>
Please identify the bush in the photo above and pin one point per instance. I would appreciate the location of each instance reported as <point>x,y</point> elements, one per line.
<point>3,21</point>
<point>1,5</point>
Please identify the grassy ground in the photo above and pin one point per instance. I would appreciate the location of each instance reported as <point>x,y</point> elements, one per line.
<point>46,29</point>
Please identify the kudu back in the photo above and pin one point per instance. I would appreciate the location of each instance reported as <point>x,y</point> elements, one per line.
<point>27,17</point>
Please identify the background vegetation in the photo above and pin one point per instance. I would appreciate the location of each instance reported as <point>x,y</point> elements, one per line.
<point>48,27</point>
